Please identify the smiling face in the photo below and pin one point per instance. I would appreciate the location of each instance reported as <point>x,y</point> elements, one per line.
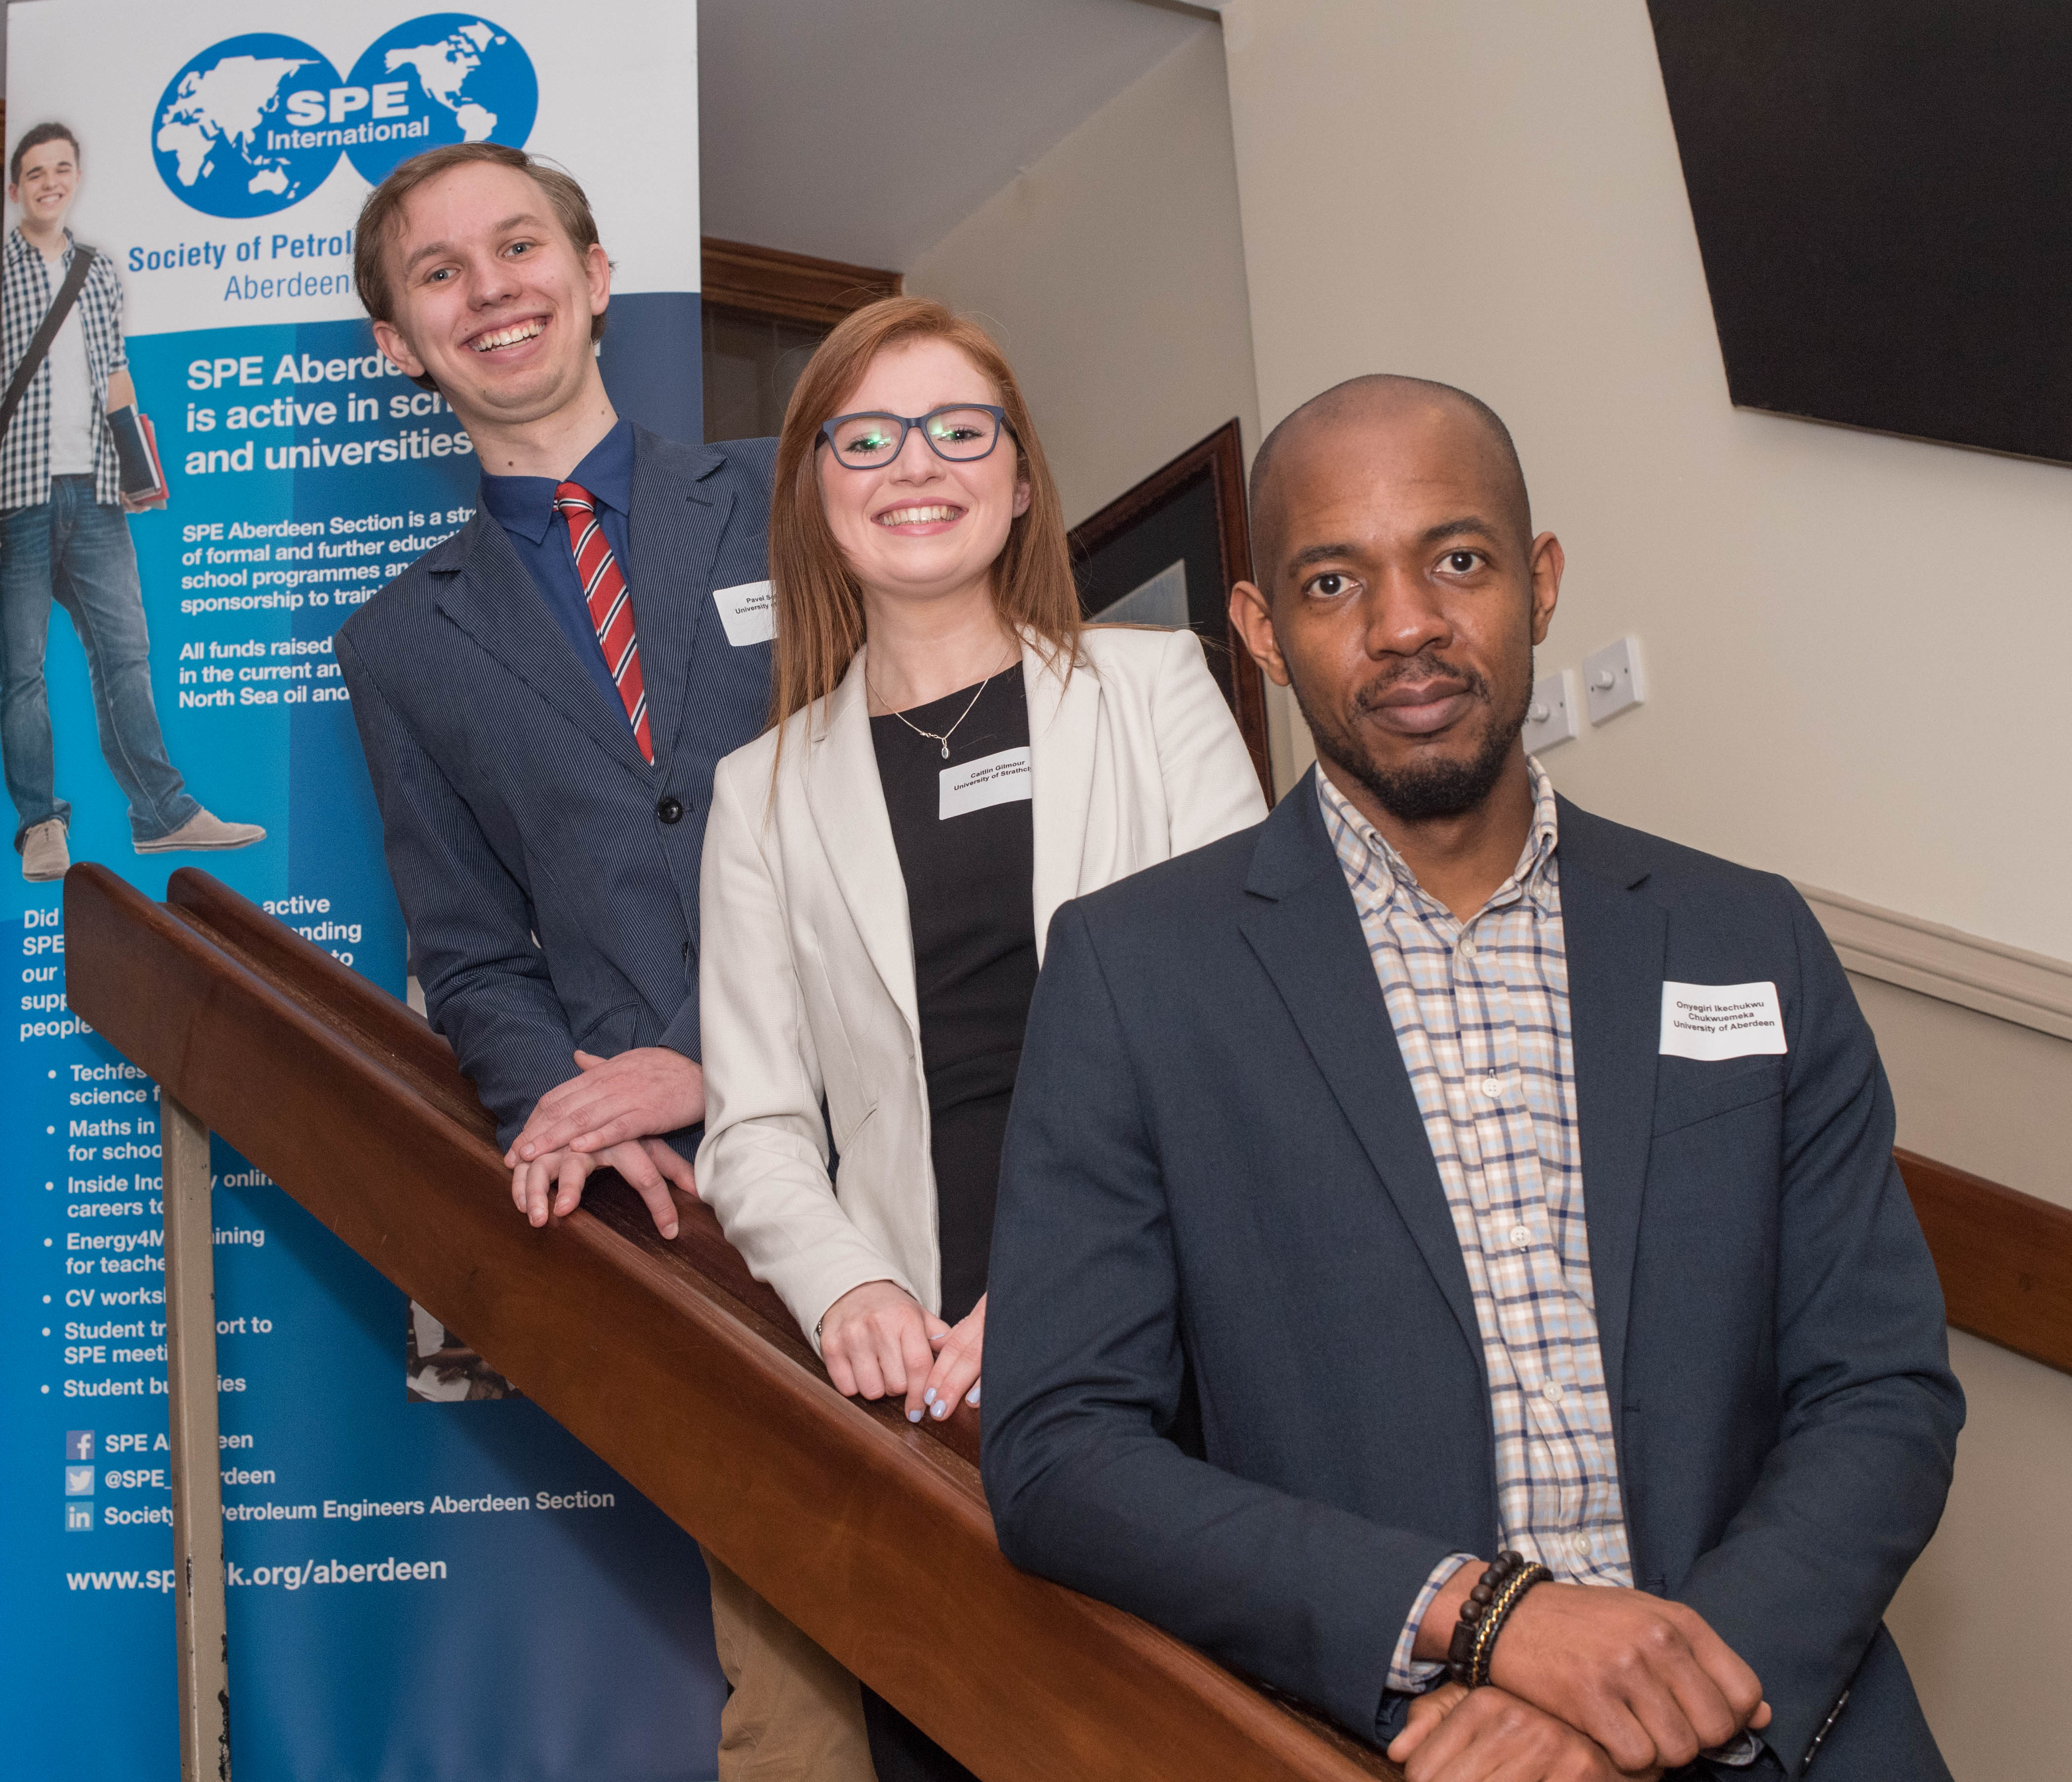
<point>921,528</point>
<point>491,299</point>
<point>48,183</point>
<point>1404,598</point>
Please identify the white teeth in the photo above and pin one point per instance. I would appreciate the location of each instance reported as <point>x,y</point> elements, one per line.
<point>506,337</point>
<point>916,516</point>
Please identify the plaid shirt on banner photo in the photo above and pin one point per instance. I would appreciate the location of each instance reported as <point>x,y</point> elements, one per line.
<point>27,283</point>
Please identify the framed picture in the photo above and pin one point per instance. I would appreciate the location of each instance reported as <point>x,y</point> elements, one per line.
<point>1166,553</point>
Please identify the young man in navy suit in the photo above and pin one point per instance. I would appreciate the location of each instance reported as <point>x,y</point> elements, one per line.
<point>542,700</point>
<point>1438,1172</point>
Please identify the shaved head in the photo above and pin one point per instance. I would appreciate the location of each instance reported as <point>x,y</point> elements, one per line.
<point>1381,401</point>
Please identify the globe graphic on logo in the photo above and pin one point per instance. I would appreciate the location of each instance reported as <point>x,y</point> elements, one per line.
<point>221,132</point>
<point>446,77</point>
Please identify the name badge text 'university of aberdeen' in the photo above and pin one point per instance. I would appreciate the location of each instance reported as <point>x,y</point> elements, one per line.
<point>1721,1020</point>
<point>749,612</point>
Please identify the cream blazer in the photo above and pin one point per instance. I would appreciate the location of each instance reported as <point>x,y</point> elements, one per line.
<point>806,973</point>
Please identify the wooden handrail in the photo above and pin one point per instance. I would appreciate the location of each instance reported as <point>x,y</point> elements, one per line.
<point>2005,1258</point>
<point>667,1359</point>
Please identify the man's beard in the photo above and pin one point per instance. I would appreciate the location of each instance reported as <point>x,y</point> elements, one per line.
<point>1433,788</point>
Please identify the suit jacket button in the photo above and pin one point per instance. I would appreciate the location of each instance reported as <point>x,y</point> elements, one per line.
<point>670,809</point>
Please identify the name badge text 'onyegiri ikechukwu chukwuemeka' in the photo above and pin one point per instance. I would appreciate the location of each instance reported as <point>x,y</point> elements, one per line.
<point>991,779</point>
<point>749,612</point>
<point>1721,1020</point>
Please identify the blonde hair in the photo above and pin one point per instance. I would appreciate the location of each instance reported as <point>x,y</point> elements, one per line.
<point>819,602</point>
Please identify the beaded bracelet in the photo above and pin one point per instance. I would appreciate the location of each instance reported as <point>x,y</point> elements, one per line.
<point>1482,1616</point>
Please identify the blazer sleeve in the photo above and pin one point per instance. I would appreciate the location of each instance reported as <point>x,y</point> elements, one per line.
<point>487,987</point>
<point>1854,1489</point>
<point>1211,787</point>
<point>1085,1383</point>
<point>762,1165</point>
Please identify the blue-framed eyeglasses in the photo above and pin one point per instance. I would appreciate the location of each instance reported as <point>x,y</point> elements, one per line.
<point>961,433</point>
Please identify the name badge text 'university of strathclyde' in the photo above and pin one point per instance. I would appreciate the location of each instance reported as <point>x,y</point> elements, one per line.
<point>1721,1020</point>
<point>992,779</point>
<point>749,612</point>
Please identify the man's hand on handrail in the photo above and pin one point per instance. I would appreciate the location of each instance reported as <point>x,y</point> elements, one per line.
<point>1646,1678</point>
<point>1461,1735</point>
<point>637,1094</point>
<point>553,1183</point>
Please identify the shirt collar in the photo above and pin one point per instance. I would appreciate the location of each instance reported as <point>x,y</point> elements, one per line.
<point>18,245</point>
<point>525,504</point>
<point>1372,865</point>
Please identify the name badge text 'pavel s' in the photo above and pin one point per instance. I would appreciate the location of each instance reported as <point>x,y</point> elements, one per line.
<point>749,612</point>
<point>1721,1020</point>
<point>1003,778</point>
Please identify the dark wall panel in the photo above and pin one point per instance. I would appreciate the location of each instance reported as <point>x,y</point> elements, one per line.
<point>1883,195</point>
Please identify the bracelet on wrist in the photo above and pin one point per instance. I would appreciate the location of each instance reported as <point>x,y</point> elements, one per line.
<point>1489,1605</point>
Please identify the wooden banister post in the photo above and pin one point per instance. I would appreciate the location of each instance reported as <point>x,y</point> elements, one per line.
<point>199,1622</point>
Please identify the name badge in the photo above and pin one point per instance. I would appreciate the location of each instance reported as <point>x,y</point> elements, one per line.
<point>992,779</point>
<point>1721,1020</point>
<point>748,611</point>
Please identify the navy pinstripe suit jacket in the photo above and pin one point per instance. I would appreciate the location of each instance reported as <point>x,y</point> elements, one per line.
<point>552,903</point>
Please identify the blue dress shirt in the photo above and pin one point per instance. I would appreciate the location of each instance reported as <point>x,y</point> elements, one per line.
<point>524,506</point>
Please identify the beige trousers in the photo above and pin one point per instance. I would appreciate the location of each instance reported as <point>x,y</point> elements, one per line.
<point>794,1714</point>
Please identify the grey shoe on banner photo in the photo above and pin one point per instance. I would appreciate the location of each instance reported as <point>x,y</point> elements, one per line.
<point>44,854</point>
<point>202,830</point>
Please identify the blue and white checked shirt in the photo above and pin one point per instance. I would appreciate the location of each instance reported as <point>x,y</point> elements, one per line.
<point>27,283</point>
<point>1481,1014</point>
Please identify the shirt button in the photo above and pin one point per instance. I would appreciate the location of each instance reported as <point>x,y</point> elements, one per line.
<point>670,809</point>
<point>1551,1392</point>
<point>1521,1235</point>
<point>1466,949</point>
<point>1492,1087</point>
<point>1581,1543</point>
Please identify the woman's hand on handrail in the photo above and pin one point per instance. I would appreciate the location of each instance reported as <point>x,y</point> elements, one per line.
<point>879,1342</point>
<point>955,1374</point>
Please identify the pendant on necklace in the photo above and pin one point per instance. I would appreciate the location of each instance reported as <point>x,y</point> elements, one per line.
<point>946,751</point>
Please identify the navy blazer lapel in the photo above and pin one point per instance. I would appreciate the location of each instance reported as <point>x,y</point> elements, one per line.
<point>673,536</point>
<point>1616,939</point>
<point>1301,921</point>
<point>489,594</point>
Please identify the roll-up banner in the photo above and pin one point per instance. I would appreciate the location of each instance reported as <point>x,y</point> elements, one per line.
<point>427,1577</point>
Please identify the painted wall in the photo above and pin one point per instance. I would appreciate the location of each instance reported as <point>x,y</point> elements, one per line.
<point>1854,644</point>
<point>1112,272</point>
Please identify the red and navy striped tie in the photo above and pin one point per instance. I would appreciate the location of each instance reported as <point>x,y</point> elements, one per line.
<point>610,606</point>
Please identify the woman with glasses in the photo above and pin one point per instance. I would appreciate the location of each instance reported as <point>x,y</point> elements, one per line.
<point>953,757</point>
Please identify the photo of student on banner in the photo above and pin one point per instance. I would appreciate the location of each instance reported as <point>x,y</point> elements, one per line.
<point>75,459</point>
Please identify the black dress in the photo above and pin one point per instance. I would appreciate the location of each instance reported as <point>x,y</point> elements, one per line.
<point>967,850</point>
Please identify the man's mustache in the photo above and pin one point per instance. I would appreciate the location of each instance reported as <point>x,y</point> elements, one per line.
<point>1420,670</point>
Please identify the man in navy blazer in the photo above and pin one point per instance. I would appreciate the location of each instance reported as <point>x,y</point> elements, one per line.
<point>1437,1169</point>
<point>543,699</point>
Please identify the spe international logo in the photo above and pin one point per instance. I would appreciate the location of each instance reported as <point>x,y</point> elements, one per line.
<point>256,123</point>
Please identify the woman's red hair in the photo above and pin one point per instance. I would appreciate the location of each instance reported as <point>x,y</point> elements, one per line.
<point>819,603</point>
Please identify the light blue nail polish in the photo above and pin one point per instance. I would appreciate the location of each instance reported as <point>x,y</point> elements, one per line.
<point>971,1398</point>
<point>942,1409</point>
<point>913,1417</point>
<point>928,1397</point>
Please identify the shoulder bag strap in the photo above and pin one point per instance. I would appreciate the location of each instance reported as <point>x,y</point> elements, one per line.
<point>47,331</point>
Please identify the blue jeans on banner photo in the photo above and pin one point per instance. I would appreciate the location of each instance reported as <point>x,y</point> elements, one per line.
<point>72,550</point>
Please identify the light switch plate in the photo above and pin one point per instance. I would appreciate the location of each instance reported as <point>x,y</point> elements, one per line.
<point>1554,715</point>
<point>1611,679</point>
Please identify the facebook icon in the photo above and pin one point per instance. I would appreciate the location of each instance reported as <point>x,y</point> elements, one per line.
<point>79,1444</point>
<point>79,1518</point>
